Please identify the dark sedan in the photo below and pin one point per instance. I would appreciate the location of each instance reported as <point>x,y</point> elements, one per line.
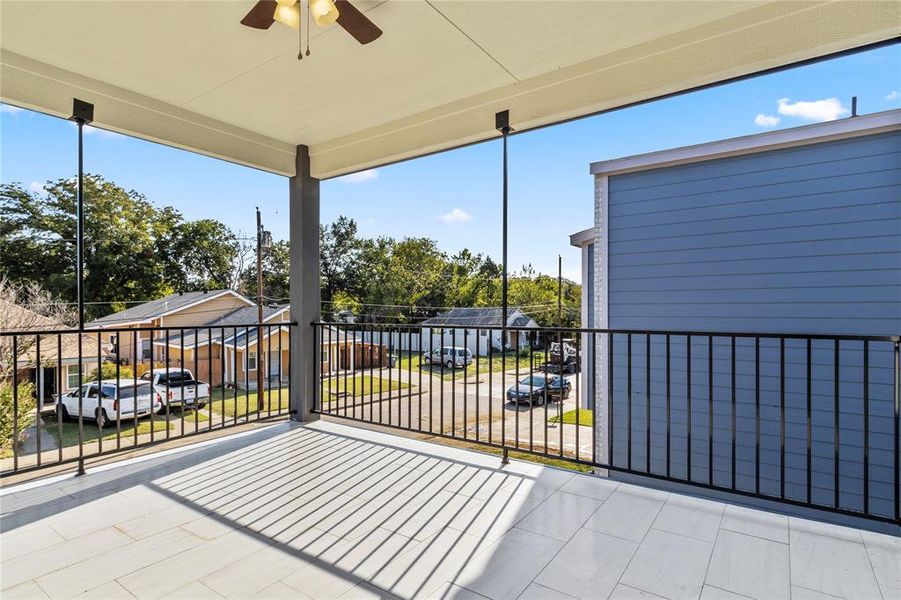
<point>536,389</point>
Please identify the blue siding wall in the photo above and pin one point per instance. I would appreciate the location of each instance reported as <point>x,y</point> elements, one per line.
<point>802,240</point>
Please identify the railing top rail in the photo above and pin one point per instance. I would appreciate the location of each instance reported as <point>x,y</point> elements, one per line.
<point>96,330</point>
<point>573,330</point>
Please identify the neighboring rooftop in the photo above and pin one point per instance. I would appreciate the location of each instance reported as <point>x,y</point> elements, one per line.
<point>478,317</point>
<point>143,313</point>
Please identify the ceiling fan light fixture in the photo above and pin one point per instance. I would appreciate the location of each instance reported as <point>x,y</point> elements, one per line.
<point>324,12</point>
<point>288,14</point>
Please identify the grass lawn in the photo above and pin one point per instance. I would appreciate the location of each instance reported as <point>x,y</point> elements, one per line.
<point>586,417</point>
<point>69,435</point>
<point>359,385</point>
<point>246,402</point>
<point>485,365</point>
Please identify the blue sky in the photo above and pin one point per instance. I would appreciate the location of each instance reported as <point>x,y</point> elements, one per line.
<point>454,197</point>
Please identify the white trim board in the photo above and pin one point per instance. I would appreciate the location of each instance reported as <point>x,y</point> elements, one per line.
<point>759,142</point>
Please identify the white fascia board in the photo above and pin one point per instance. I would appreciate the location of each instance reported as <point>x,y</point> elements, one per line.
<point>759,142</point>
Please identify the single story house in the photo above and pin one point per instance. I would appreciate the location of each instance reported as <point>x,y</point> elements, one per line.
<point>465,327</point>
<point>190,309</point>
<point>55,370</point>
<point>790,231</point>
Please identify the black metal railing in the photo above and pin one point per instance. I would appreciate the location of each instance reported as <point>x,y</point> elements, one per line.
<point>810,420</point>
<point>67,396</point>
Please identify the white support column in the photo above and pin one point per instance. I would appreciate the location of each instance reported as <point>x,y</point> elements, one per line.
<point>304,286</point>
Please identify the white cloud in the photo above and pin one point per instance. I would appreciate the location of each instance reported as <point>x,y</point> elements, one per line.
<point>361,177</point>
<point>457,215</point>
<point>763,120</point>
<point>103,133</point>
<point>828,109</point>
<point>36,187</point>
<point>893,95</point>
<point>9,108</point>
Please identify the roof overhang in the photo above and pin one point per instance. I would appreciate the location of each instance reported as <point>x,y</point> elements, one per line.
<point>849,127</point>
<point>188,75</point>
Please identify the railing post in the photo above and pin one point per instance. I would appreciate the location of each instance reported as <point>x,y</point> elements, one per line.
<point>304,286</point>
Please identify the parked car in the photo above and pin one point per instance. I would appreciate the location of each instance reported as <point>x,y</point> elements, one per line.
<point>102,405</point>
<point>178,387</point>
<point>449,356</point>
<point>536,389</point>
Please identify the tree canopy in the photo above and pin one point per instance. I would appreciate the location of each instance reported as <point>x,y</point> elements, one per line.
<point>135,251</point>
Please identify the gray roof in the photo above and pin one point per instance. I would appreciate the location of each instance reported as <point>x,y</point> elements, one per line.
<point>245,315</point>
<point>479,317</point>
<point>155,308</point>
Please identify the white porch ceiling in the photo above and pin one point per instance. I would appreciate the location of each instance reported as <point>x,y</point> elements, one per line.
<point>186,73</point>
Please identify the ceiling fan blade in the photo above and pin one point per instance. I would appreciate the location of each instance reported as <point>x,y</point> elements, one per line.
<point>356,23</point>
<point>260,16</point>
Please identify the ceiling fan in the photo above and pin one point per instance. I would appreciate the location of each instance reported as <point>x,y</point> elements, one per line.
<point>324,12</point>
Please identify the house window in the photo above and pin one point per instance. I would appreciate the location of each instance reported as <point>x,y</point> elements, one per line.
<point>114,343</point>
<point>72,376</point>
<point>483,333</point>
<point>252,360</point>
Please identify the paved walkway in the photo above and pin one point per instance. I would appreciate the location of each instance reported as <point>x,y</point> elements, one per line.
<point>329,511</point>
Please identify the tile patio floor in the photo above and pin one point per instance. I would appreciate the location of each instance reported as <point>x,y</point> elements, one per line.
<point>330,511</point>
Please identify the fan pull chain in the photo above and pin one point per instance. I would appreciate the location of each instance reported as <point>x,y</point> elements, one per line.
<point>300,42</point>
<point>308,27</point>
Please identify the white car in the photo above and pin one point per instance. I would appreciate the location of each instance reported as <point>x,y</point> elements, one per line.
<point>176,386</point>
<point>449,356</point>
<point>101,404</point>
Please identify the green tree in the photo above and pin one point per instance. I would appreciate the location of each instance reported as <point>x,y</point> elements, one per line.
<point>133,251</point>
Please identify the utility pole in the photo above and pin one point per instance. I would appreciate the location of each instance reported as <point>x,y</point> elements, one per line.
<point>559,291</point>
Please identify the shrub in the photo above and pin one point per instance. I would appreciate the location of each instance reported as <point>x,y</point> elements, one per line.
<point>24,415</point>
<point>108,371</point>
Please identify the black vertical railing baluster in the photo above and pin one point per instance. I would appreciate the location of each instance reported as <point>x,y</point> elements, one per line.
<point>594,394</point>
<point>491,391</point>
<point>118,398</point>
<point>647,403</point>
<point>837,422</point>
<point>181,364</point>
<point>577,375</point>
<point>757,415</point>
<point>223,358</point>
<point>247,371</point>
<point>454,382</point>
<point>39,377</point>
<point>441,395</point>
<point>99,408</point>
<point>235,373</point>
<point>734,408</point>
<point>134,377</point>
<point>267,374</point>
<point>410,377</point>
<point>610,427</point>
<point>515,384</point>
<point>559,398</point>
<point>809,421</point>
<point>710,409</point>
<point>896,392</point>
<point>629,401</point>
<point>688,401</point>
<point>59,394</point>
<point>668,403</point>
<point>477,375</point>
<point>15,390</point>
<point>782,417</point>
<point>866,427</point>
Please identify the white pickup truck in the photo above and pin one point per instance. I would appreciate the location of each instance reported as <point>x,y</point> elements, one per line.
<point>176,387</point>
